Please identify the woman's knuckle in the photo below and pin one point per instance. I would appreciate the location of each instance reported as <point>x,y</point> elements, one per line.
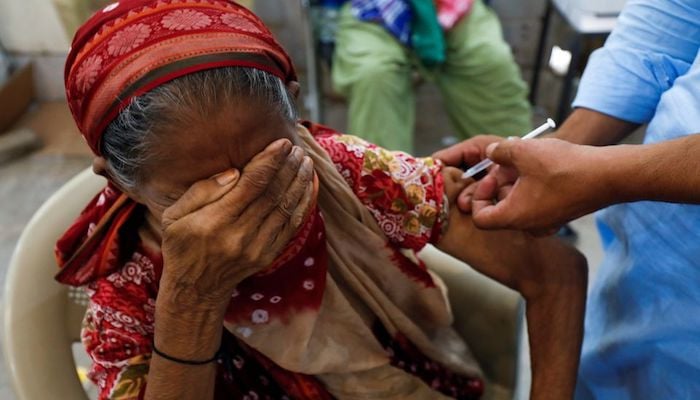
<point>255,179</point>
<point>249,256</point>
<point>235,249</point>
<point>297,221</point>
<point>274,193</point>
<point>286,207</point>
<point>306,176</point>
<point>189,197</point>
<point>235,239</point>
<point>257,253</point>
<point>169,217</point>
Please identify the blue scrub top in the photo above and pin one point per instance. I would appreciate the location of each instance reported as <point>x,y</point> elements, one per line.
<point>642,338</point>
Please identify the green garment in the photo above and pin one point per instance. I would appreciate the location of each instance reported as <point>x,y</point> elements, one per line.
<point>427,37</point>
<point>479,80</point>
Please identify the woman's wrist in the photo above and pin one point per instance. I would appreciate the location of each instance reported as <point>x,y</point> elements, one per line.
<point>187,332</point>
<point>181,294</point>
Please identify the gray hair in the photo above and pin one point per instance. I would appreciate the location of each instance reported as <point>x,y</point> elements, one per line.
<point>128,142</point>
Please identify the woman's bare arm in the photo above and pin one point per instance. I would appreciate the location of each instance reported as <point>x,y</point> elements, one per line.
<point>188,334</point>
<point>221,231</point>
<point>551,276</point>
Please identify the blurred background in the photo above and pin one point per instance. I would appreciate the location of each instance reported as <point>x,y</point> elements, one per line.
<point>40,148</point>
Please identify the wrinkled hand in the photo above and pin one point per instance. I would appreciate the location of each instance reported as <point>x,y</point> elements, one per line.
<point>233,225</point>
<point>468,153</point>
<point>511,257</point>
<point>554,182</point>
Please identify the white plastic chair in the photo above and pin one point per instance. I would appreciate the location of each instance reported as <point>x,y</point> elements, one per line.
<point>487,315</point>
<point>42,318</point>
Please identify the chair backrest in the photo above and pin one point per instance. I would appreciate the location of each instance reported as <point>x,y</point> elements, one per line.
<point>487,315</point>
<point>41,320</point>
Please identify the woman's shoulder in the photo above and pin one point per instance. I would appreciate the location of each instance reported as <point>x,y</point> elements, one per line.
<point>404,193</point>
<point>355,157</point>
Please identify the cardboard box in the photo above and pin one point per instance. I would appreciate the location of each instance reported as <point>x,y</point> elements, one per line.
<point>15,96</point>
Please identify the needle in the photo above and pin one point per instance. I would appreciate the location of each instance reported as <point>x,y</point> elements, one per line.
<point>550,124</point>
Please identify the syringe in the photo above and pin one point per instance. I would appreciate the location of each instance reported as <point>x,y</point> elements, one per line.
<point>550,124</point>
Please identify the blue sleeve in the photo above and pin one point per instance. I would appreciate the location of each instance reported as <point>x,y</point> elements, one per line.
<point>654,43</point>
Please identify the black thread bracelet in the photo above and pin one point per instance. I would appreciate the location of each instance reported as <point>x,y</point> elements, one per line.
<point>218,356</point>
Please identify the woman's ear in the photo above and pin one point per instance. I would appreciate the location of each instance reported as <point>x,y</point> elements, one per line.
<point>294,88</point>
<point>99,166</point>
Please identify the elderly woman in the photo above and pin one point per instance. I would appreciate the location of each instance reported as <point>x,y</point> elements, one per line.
<point>240,254</point>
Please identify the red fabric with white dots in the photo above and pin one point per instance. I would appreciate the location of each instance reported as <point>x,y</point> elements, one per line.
<point>119,323</point>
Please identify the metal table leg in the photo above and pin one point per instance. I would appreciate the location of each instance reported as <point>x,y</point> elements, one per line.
<point>544,30</point>
<point>565,96</point>
<point>313,99</point>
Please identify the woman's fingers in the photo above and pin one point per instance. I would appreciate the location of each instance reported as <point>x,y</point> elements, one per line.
<point>302,210</point>
<point>286,232</point>
<point>468,152</point>
<point>201,194</point>
<point>281,224</point>
<point>460,155</point>
<point>271,200</point>
<point>464,201</point>
<point>302,183</point>
<point>231,184</point>
<point>257,176</point>
<point>486,214</point>
<point>287,207</point>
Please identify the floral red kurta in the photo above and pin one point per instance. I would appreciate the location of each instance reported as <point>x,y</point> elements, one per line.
<point>406,197</point>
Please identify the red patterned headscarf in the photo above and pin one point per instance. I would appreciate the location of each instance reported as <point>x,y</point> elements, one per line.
<point>133,46</point>
<point>124,51</point>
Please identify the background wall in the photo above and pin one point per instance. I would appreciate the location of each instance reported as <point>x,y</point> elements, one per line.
<point>32,26</point>
<point>40,32</point>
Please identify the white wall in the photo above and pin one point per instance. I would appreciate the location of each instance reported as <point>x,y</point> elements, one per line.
<point>32,31</point>
<point>32,26</point>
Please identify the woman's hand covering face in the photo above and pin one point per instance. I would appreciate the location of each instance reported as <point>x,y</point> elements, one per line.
<point>231,226</point>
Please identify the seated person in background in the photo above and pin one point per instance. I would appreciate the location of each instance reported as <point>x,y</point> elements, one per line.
<point>458,44</point>
<point>238,253</point>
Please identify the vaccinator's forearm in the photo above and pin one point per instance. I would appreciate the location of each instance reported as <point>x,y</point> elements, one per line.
<point>667,171</point>
<point>590,127</point>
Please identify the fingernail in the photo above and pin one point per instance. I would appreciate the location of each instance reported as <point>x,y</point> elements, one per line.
<point>308,162</point>
<point>287,146</point>
<point>282,144</point>
<point>490,148</point>
<point>227,177</point>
